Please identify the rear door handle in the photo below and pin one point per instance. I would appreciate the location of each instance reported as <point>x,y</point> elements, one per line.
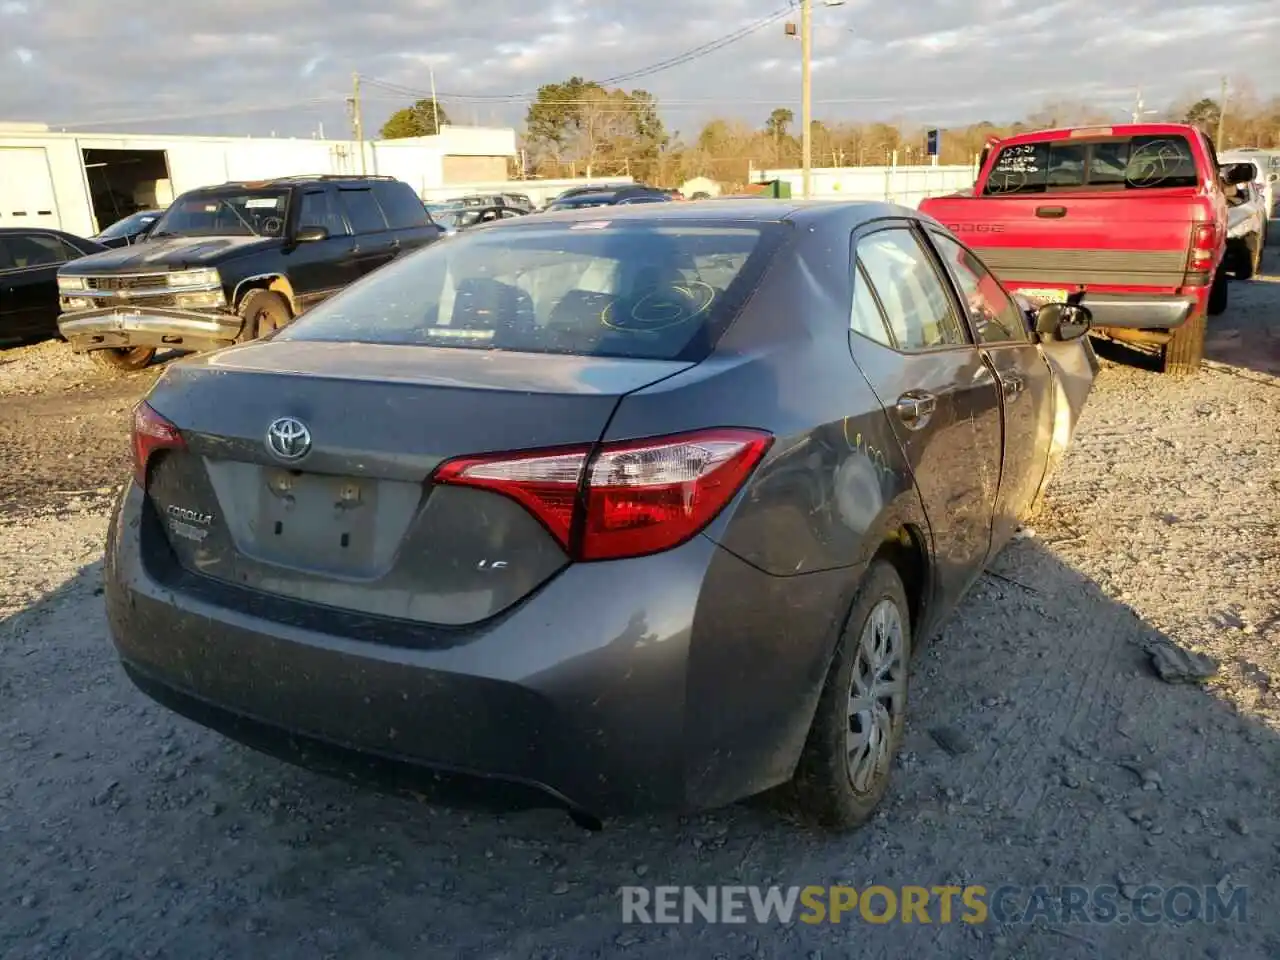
<point>1052,213</point>
<point>915,407</point>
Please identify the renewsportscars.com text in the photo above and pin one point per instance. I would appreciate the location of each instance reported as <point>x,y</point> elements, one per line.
<point>974,904</point>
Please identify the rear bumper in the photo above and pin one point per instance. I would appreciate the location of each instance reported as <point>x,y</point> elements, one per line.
<point>1141,312</point>
<point>149,327</point>
<point>682,680</point>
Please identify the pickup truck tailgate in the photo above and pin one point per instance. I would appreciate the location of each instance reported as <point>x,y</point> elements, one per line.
<point>1099,240</point>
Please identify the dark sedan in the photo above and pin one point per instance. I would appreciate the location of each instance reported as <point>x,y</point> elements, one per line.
<point>641,508</point>
<point>29,262</point>
<point>610,197</point>
<point>130,229</point>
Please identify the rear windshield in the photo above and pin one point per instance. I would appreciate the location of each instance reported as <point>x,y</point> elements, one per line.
<point>643,289</point>
<point>1114,163</point>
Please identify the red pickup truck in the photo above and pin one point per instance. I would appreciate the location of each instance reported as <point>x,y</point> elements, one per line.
<point>1129,220</point>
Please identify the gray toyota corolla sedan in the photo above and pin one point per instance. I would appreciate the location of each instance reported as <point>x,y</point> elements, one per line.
<point>644,507</point>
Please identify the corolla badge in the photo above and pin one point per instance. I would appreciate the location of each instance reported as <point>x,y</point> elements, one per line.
<point>288,438</point>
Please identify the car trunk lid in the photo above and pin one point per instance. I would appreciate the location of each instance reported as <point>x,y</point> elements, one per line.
<point>352,520</point>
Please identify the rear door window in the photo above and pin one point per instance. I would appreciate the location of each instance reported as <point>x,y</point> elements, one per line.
<point>632,289</point>
<point>1122,163</point>
<point>363,211</point>
<point>914,297</point>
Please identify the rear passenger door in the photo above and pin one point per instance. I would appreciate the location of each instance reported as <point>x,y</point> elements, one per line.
<point>1026,382</point>
<point>406,217</point>
<point>375,244</point>
<point>940,396</point>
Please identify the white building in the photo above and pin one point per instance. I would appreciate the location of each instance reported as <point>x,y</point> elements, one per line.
<point>82,182</point>
<point>903,185</point>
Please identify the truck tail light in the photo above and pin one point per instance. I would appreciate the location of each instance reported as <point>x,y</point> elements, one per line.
<point>627,499</point>
<point>1204,246</point>
<point>151,433</point>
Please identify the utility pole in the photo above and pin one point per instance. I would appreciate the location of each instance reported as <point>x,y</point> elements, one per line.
<point>1137,107</point>
<point>1219,144</point>
<point>435,107</point>
<point>357,119</point>
<point>806,96</point>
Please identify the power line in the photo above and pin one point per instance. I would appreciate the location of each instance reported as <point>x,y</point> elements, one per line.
<point>680,59</point>
<point>697,53</point>
<point>207,112</point>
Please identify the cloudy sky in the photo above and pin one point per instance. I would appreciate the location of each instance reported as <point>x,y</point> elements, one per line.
<point>258,66</point>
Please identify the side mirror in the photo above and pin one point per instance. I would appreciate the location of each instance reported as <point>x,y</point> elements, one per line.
<point>1234,174</point>
<point>311,234</point>
<point>1062,321</point>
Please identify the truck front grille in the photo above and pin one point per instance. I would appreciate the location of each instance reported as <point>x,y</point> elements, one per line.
<point>140,282</point>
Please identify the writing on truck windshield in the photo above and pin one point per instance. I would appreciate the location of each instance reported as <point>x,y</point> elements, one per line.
<point>1113,163</point>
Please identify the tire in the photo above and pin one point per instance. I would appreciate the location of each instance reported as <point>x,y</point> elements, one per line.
<point>1247,256</point>
<point>263,312</point>
<point>827,787</point>
<point>1218,294</point>
<point>123,359</point>
<point>1182,354</point>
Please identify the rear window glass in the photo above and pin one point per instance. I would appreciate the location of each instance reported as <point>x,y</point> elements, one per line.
<point>1121,163</point>
<point>627,289</point>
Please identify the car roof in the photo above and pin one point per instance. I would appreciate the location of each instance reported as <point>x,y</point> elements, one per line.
<point>748,210</point>
<point>14,231</point>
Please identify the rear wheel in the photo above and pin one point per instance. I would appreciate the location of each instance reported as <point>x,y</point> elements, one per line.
<point>123,358</point>
<point>263,312</point>
<point>1182,354</point>
<point>1247,255</point>
<point>845,767</point>
<point>1218,293</point>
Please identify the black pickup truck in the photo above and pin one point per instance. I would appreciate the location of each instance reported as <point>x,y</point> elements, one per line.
<point>232,263</point>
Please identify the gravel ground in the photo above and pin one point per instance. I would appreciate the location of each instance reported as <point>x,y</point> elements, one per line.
<point>1042,748</point>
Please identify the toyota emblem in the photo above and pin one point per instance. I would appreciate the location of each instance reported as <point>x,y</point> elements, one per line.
<point>288,438</point>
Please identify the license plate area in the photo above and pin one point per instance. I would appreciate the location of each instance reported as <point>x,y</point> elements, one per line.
<point>317,522</point>
<point>1039,296</point>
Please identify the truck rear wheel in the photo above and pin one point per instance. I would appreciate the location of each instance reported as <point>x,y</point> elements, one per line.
<point>1247,257</point>
<point>1182,354</point>
<point>1218,294</point>
<point>264,312</point>
<point>123,358</point>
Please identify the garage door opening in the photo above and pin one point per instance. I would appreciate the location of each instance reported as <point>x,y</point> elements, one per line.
<point>123,182</point>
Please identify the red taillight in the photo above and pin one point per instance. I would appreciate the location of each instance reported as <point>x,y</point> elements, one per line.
<point>1204,244</point>
<point>628,499</point>
<point>151,432</point>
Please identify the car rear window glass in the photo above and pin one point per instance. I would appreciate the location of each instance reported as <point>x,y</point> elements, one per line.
<point>1124,163</point>
<point>633,288</point>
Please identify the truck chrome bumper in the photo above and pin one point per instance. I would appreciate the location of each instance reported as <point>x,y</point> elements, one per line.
<point>124,327</point>
<point>1145,313</point>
